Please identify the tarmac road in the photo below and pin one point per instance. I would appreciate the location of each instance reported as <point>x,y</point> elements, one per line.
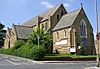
<point>9,62</point>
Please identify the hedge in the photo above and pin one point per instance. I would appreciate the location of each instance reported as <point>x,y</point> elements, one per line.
<point>26,52</point>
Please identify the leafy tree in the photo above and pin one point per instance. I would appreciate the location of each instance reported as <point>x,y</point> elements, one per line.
<point>45,38</point>
<point>1,26</point>
<point>2,34</point>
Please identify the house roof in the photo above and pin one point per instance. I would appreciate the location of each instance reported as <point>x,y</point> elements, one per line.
<point>43,15</point>
<point>67,20</point>
<point>23,31</point>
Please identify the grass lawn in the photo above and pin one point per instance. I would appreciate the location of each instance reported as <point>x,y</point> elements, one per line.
<point>69,55</point>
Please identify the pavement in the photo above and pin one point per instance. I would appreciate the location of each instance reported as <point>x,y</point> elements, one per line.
<point>92,68</point>
<point>13,62</point>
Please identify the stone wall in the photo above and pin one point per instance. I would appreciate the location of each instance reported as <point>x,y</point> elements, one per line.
<point>63,43</point>
<point>90,49</point>
<point>73,36</point>
<point>7,39</point>
<point>10,39</point>
<point>13,37</point>
<point>54,19</point>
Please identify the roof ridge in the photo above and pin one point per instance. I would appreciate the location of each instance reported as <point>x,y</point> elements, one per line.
<point>72,12</point>
<point>46,10</point>
<point>44,14</point>
<point>67,20</point>
<point>23,26</point>
<point>51,8</point>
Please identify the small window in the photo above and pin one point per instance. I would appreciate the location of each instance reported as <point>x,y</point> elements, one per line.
<point>9,44</point>
<point>57,35</point>
<point>46,26</point>
<point>62,13</point>
<point>58,17</point>
<point>64,33</point>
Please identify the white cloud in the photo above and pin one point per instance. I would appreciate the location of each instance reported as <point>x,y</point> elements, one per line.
<point>47,4</point>
<point>66,5</point>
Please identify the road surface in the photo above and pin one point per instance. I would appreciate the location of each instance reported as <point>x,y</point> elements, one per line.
<point>7,62</point>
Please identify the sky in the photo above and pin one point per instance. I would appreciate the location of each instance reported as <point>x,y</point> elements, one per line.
<point>19,11</point>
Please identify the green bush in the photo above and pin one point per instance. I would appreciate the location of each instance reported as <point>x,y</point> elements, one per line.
<point>26,52</point>
<point>82,51</point>
<point>18,44</point>
<point>31,52</point>
<point>38,54</point>
<point>9,51</point>
<point>6,51</point>
<point>2,50</point>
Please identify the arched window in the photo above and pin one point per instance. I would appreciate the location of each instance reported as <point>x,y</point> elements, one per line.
<point>83,28</point>
<point>64,33</point>
<point>57,35</point>
<point>9,44</point>
<point>83,33</point>
<point>62,13</point>
<point>58,17</point>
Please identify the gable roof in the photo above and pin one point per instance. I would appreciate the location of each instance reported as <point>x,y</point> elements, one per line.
<point>67,20</point>
<point>22,31</point>
<point>44,16</point>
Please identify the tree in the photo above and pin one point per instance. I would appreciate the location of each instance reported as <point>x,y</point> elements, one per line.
<point>1,26</point>
<point>45,38</point>
<point>2,34</point>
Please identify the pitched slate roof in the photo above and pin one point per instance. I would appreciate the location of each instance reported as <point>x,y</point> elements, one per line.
<point>23,31</point>
<point>44,15</point>
<point>67,20</point>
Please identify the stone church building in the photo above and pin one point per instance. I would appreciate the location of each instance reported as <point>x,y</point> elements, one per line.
<point>70,30</point>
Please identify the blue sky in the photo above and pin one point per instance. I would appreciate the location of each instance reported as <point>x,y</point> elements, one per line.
<point>19,11</point>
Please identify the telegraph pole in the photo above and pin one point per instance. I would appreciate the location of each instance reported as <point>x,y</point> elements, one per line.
<point>96,10</point>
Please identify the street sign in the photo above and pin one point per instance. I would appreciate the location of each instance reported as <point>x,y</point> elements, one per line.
<point>73,49</point>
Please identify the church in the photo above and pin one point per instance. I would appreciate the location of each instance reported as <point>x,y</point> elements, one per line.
<point>70,30</point>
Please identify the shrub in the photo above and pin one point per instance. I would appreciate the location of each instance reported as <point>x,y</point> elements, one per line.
<point>82,51</point>
<point>26,52</point>
<point>20,51</point>
<point>31,52</point>
<point>18,44</point>
<point>9,51</point>
<point>2,50</point>
<point>38,54</point>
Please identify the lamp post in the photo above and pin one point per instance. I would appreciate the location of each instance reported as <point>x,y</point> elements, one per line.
<point>96,10</point>
<point>38,37</point>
